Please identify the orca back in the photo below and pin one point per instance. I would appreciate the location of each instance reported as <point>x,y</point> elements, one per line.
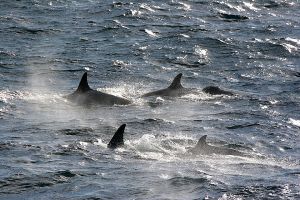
<point>213,90</point>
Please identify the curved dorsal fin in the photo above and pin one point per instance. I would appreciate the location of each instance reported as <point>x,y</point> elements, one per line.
<point>176,82</point>
<point>202,141</point>
<point>117,139</point>
<point>83,85</point>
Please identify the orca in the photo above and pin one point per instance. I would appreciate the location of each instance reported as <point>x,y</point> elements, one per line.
<point>213,90</point>
<point>117,140</point>
<point>201,147</point>
<point>174,90</point>
<point>85,95</point>
<point>205,149</point>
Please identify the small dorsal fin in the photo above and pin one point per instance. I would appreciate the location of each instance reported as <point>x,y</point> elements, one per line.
<point>83,85</point>
<point>202,141</point>
<point>176,82</point>
<point>117,140</point>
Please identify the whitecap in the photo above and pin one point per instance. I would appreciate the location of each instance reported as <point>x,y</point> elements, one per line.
<point>186,6</point>
<point>146,7</point>
<point>143,48</point>
<point>87,68</point>
<point>184,35</point>
<point>238,7</point>
<point>121,63</point>
<point>100,143</point>
<point>135,12</point>
<point>229,197</point>
<point>151,33</point>
<point>201,51</point>
<point>164,176</point>
<point>297,41</point>
<point>289,47</point>
<point>117,157</point>
<point>250,6</point>
<point>274,101</point>
<point>83,144</point>
<point>294,122</point>
<point>263,107</point>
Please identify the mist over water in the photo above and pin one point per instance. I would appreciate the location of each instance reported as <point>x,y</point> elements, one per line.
<point>53,149</point>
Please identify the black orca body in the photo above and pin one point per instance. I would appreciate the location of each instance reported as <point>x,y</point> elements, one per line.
<point>213,90</point>
<point>174,90</point>
<point>204,149</point>
<point>177,90</point>
<point>117,140</point>
<point>201,147</point>
<point>85,95</point>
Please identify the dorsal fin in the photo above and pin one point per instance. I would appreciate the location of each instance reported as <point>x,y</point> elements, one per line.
<point>176,82</point>
<point>202,141</point>
<point>117,140</point>
<point>83,85</point>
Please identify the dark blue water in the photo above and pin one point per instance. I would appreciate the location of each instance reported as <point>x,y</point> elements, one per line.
<point>53,149</point>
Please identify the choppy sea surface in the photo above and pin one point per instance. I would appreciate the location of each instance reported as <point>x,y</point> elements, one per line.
<point>53,149</point>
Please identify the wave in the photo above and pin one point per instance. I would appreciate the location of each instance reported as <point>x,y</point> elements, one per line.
<point>240,126</point>
<point>184,181</point>
<point>19,183</point>
<point>265,191</point>
<point>33,31</point>
<point>78,132</point>
<point>295,122</point>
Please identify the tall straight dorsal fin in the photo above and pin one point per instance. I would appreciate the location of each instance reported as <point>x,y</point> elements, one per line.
<point>83,85</point>
<point>117,140</point>
<point>202,141</point>
<point>176,82</point>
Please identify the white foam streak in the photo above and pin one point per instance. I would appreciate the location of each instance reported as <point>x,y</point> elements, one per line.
<point>238,8</point>
<point>297,41</point>
<point>250,6</point>
<point>186,6</point>
<point>294,122</point>
<point>135,12</point>
<point>230,197</point>
<point>184,35</point>
<point>147,7</point>
<point>165,176</point>
<point>151,33</point>
<point>290,47</point>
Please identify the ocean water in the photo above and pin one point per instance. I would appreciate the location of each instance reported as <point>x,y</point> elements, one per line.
<point>53,149</point>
